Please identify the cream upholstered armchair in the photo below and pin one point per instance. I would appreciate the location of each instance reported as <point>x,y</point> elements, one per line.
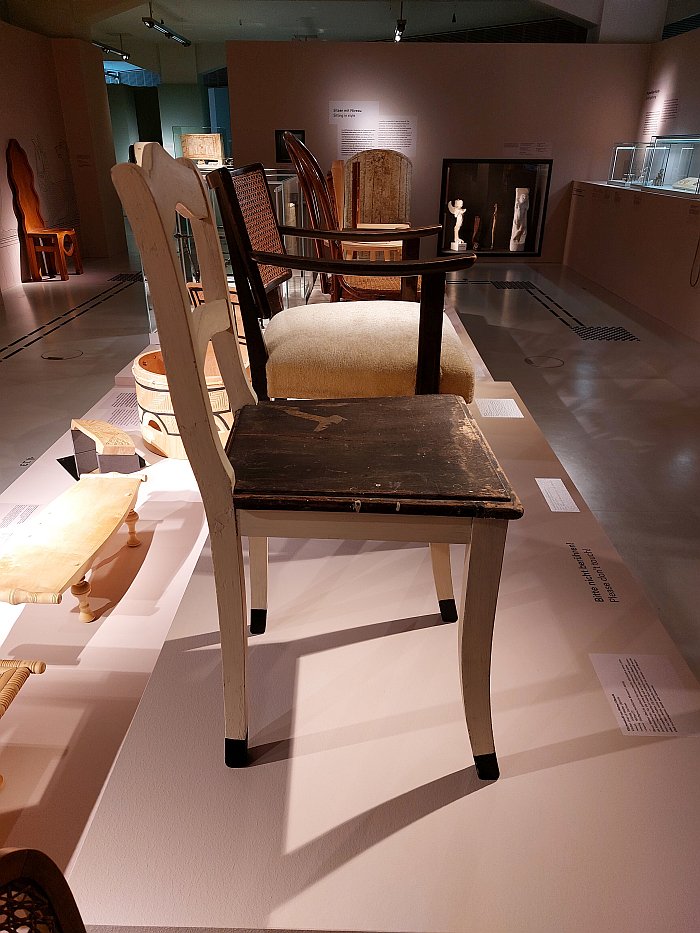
<point>337,349</point>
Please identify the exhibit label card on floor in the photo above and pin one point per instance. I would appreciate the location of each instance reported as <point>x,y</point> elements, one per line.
<point>498,408</point>
<point>556,494</point>
<point>647,694</point>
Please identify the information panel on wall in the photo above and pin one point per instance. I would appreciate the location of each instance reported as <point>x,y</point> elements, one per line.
<point>362,125</point>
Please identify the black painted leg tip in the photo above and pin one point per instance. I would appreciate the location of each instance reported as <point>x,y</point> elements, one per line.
<point>487,767</point>
<point>236,753</point>
<point>258,621</point>
<point>448,610</point>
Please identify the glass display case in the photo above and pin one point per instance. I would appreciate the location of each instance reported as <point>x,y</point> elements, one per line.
<point>629,164</point>
<point>208,147</point>
<point>670,164</point>
<point>674,164</point>
<point>495,206</point>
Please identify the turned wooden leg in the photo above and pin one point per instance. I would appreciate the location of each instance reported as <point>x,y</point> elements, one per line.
<point>81,591</point>
<point>131,520</point>
<point>229,580</point>
<point>77,257</point>
<point>442,574</point>
<point>257,552</point>
<point>482,575</point>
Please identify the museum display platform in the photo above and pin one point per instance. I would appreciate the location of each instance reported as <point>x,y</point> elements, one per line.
<point>360,810</point>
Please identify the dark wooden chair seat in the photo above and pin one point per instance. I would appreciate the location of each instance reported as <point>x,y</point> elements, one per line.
<point>324,458</point>
<point>45,248</point>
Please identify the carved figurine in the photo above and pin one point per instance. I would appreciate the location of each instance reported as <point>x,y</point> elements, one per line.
<point>458,210</point>
<point>519,231</point>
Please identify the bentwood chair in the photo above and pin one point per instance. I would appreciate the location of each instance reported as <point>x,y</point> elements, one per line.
<point>323,216</point>
<point>42,244</point>
<point>310,468</point>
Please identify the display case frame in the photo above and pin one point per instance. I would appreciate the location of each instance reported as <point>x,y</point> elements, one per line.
<point>674,165</point>
<point>629,163</point>
<point>487,189</point>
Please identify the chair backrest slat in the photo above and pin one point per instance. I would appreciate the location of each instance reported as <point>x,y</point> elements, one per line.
<point>378,188</point>
<point>21,179</point>
<point>319,202</point>
<point>152,195</point>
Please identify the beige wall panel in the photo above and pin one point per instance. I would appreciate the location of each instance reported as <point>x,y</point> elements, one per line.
<point>469,99</point>
<point>671,105</point>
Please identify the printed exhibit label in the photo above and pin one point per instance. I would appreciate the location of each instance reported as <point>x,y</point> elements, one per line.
<point>647,695</point>
<point>498,408</point>
<point>122,412</point>
<point>556,495</point>
<point>12,516</point>
<point>592,571</point>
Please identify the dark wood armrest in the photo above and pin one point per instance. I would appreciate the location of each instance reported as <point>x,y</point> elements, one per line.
<point>362,236</point>
<point>402,268</point>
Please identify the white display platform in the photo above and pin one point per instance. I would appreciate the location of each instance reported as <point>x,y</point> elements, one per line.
<point>59,739</point>
<point>361,810</point>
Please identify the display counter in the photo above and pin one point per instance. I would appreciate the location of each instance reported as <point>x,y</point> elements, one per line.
<point>642,247</point>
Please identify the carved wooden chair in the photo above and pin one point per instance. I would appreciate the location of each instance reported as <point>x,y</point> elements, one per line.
<point>42,245</point>
<point>321,207</point>
<point>34,895</point>
<point>333,350</point>
<point>312,469</point>
<point>377,185</point>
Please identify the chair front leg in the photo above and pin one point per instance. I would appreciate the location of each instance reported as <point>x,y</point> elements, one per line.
<point>482,575</point>
<point>257,553</point>
<point>229,580</point>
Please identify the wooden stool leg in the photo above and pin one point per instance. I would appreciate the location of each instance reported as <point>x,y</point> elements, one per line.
<point>77,257</point>
<point>442,574</point>
<point>257,552</point>
<point>81,591</point>
<point>61,257</point>
<point>131,520</point>
<point>229,580</point>
<point>482,575</point>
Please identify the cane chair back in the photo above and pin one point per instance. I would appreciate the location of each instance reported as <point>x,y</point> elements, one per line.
<point>34,895</point>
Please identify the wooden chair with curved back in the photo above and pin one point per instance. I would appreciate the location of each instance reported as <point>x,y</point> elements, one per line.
<point>41,244</point>
<point>34,895</point>
<point>321,206</point>
<point>311,469</point>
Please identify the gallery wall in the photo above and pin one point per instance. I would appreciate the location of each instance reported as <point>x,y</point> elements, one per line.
<point>671,99</point>
<point>468,100</point>
<point>45,80</point>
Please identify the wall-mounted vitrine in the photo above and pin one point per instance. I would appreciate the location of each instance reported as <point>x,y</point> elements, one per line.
<point>629,164</point>
<point>670,164</point>
<point>495,206</point>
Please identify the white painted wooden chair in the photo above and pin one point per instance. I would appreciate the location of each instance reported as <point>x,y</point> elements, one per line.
<point>312,469</point>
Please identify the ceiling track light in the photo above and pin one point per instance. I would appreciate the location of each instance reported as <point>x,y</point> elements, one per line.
<point>400,25</point>
<point>125,56</point>
<point>150,23</point>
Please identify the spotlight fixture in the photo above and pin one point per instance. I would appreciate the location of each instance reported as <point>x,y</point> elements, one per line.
<point>160,27</point>
<point>108,50</point>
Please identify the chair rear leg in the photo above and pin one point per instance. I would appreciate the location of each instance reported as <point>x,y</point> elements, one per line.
<point>257,552</point>
<point>442,575</point>
<point>229,580</point>
<point>61,257</point>
<point>482,575</point>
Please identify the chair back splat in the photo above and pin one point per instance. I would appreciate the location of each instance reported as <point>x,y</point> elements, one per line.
<point>152,195</point>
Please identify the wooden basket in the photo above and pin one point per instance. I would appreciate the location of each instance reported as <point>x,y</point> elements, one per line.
<point>158,425</point>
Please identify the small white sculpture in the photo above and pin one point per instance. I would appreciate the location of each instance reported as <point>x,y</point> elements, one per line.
<point>458,210</point>
<point>519,231</point>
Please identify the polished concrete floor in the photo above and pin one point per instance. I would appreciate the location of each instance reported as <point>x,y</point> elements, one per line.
<point>622,415</point>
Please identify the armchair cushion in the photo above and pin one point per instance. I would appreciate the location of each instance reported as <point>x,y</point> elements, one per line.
<point>328,350</point>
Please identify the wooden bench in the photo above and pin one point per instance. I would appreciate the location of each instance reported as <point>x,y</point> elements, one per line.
<point>13,676</point>
<point>54,550</point>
